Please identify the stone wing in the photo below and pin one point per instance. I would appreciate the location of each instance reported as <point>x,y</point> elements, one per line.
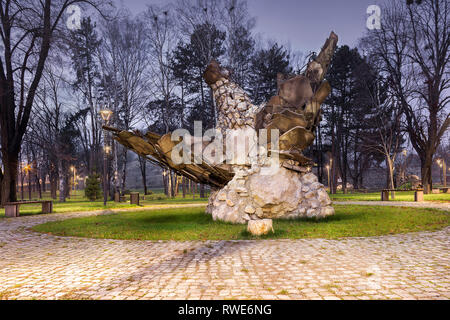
<point>158,150</point>
<point>296,111</point>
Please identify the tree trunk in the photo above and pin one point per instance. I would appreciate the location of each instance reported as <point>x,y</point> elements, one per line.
<point>44,180</point>
<point>29,184</point>
<point>22,188</point>
<point>67,187</point>
<point>62,182</point>
<point>143,168</point>
<point>124,171</point>
<point>38,185</point>
<point>425,166</point>
<point>320,154</point>
<point>202,190</point>
<point>177,185</point>
<point>390,166</point>
<point>1,181</point>
<point>53,184</point>
<point>169,184</point>
<point>144,178</point>
<point>9,181</point>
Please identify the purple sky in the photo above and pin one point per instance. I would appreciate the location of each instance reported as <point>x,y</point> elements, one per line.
<point>305,24</point>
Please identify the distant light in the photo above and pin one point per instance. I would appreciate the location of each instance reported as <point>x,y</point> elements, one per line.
<point>106,114</point>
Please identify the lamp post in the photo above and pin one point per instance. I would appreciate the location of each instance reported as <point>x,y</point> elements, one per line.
<point>27,170</point>
<point>106,116</point>
<point>328,175</point>
<point>74,170</point>
<point>331,171</point>
<point>444,172</point>
<point>405,152</point>
<point>164,173</point>
<point>443,165</point>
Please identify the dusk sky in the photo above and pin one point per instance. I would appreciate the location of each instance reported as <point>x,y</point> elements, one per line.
<point>305,24</point>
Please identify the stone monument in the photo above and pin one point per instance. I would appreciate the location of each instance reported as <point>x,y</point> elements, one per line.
<point>277,187</point>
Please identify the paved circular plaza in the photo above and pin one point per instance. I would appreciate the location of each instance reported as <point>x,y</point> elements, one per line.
<point>41,266</point>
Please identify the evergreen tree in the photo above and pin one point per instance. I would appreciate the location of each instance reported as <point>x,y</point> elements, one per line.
<point>189,61</point>
<point>346,111</point>
<point>265,66</point>
<point>83,45</point>
<point>92,190</point>
<point>241,49</point>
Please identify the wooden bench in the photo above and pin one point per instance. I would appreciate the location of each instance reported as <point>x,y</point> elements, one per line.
<point>12,208</point>
<point>438,190</point>
<point>418,194</point>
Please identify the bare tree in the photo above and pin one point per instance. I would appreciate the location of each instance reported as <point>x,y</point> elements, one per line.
<point>124,61</point>
<point>413,46</point>
<point>387,138</point>
<point>162,37</point>
<point>27,29</point>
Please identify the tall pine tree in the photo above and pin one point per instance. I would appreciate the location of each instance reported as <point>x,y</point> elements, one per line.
<point>265,66</point>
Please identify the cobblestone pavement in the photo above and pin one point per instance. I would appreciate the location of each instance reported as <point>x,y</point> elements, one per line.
<point>41,266</point>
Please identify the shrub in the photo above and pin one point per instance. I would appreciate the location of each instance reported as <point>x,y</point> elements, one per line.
<point>92,190</point>
<point>406,186</point>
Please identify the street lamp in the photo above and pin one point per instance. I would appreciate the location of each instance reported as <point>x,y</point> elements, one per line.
<point>443,165</point>
<point>27,168</point>
<point>405,152</point>
<point>74,170</point>
<point>328,175</point>
<point>106,115</point>
<point>330,171</point>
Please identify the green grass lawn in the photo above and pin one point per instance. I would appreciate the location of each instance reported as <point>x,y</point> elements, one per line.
<point>193,224</point>
<point>399,196</point>
<point>78,203</point>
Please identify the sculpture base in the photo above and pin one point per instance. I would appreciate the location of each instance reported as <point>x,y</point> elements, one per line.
<point>269,193</point>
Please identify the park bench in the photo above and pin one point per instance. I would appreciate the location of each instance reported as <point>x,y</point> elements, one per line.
<point>445,189</point>
<point>418,194</point>
<point>438,190</point>
<point>12,208</point>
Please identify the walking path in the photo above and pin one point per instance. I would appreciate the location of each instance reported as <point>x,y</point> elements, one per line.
<point>42,266</point>
<point>425,204</point>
